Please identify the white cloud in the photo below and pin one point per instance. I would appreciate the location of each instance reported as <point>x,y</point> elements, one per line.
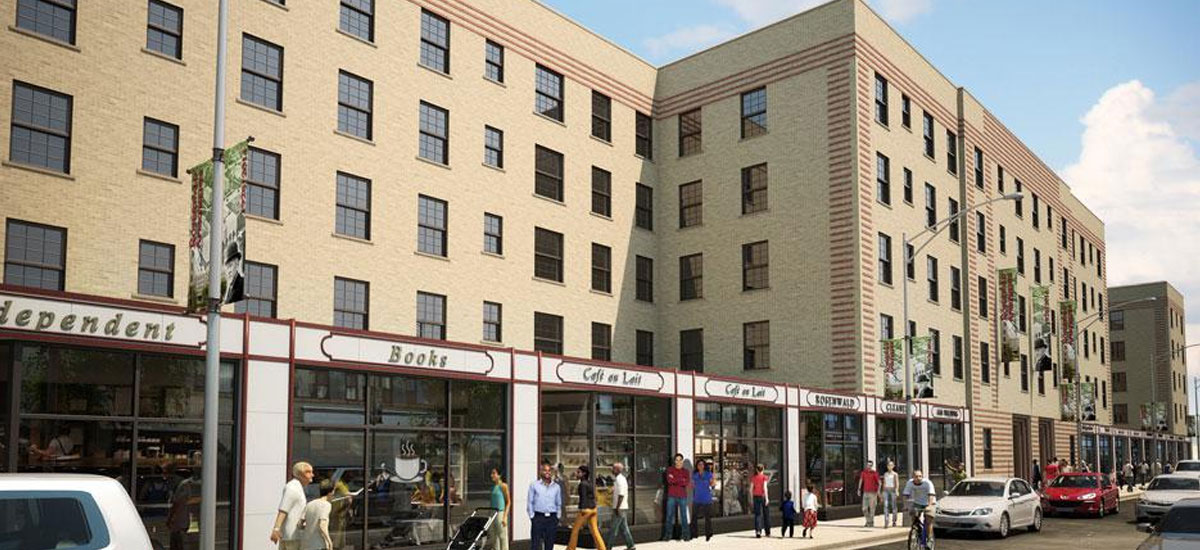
<point>686,40</point>
<point>761,12</point>
<point>1140,173</point>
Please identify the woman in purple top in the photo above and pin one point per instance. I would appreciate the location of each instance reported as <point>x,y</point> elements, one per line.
<point>702,497</point>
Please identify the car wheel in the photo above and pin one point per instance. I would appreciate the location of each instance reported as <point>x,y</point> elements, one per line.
<point>1004,525</point>
<point>1037,521</point>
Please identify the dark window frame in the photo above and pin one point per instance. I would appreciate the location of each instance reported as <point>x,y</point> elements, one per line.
<point>157,148</point>
<point>602,268</point>
<point>250,46</point>
<point>548,333</point>
<point>435,48</point>
<point>64,5</point>
<point>493,65</point>
<point>644,207</point>
<point>545,101</point>
<point>156,27</point>
<point>691,350</point>
<point>352,285</point>
<point>345,106</point>
<point>429,137</point>
<point>643,135</point>
<point>691,277</point>
<point>755,188</point>
<point>691,132</point>
<point>428,227</point>
<point>601,192</point>
<point>263,187</point>
<point>644,275</point>
<point>754,112</point>
<point>601,341</point>
<point>355,8</point>
<point>881,99</point>
<point>691,204</point>
<point>255,302</point>
<point>548,180</point>
<point>493,240</point>
<point>343,208</point>
<point>9,261</point>
<point>883,179</point>
<point>437,324</point>
<point>756,345</point>
<point>756,266</point>
<point>493,147</point>
<point>38,130</point>
<point>156,270</point>
<point>548,254</point>
<point>601,117</point>
<point>493,325</point>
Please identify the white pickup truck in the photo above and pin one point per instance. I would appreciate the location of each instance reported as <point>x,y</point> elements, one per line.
<point>84,512</point>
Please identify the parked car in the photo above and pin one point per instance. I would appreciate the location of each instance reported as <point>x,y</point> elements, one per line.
<point>1178,530</point>
<point>44,511</point>
<point>1188,467</point>
<point>1164,491</point>
<point>994,505</point>
<point>1081,493</point>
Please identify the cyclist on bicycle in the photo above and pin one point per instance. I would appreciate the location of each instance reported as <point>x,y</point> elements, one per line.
<point>921,496</point>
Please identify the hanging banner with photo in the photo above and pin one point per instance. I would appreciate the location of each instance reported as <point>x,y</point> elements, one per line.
<point>1191,426</point>
<point>1068,402</point>
<point>1066,319</point>
<point>921,362</point>
<point>1146,422</point>
<point>233,229</point>
<point>892,352</point>
<point>1010,338</point>
<point>1088,389</point>
<point>1043,316</point>
<point>1159,416</point>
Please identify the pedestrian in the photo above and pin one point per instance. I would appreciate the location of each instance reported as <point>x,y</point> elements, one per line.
<point>316,519</point>
<point>868,489</point>
<point>620,505</point>
<point>502,502</point>
<point>542,504</point>
<point>762,510</point>
<point>1086,467</point>
<point>922,498</point>
<point>702,498</point>
<point>1167,468</point>
<point>1143,471</point>
<point>809,525</point>
<point>788,509</point>
<point>890,487</point>
<point>1127,473</point>
<point>1051,469</point>
<point>1037,475</point>
<point>957,469</point>
<point>286,531</point>
<point>678,481</point>
<point>587,510</point>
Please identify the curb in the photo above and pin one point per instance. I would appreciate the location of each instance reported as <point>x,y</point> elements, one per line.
<point>873,540</point>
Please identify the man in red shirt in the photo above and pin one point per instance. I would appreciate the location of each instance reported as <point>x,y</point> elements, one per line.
<point>1051,469</point>
<point>678,481</point>
<point>868,488</point>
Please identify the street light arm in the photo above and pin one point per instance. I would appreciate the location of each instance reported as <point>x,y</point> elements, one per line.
<point>1100,314</point>
<point>942,224</point>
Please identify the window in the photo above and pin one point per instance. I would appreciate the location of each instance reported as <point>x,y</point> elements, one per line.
<point>1050,268</point>
<point>691,350</point>
<point>492,322</point>
<point>431,316</point>
<point>1018,207</point>
<point>493,234</point>
<point>931,276</point>
<point>1022,315</point>
<point>160,147</point>
<point>1035,211</point>
<point>645,279</point>
<point>930,206</point>
<point>910,267</point>
<point>493,61</point>
<point>548,173</point>
<point>690,132</point>
<point>927,122</point>
<point>1024,372</point>
<point>881,99</point>
<point>1000,178</point>
<point>935,344</point>
<point>691,277</point>
<point>1116,320</point>
<point>905,111</point>
<point>262,183</point>
<point>41,126</point>
<point>885,259</point>
<point>1020,255</point>
<point>353,206</point>
<point>357,18</point>
<point>955,288</point>
<point>1037,266</point>
<point>887,327</point>
<point>601,268</point>
<point>1063,242</point>
<point>691,204</point>
<point>493,147</point>
<point>548,94</point>
<point>432,222</point>
<point>1120,413</point>
<point>754,188</point>
<point>979,168</point>
<point>987,448</point>
<point>260,287</point>
<point>1003,241</point>
<point>156,269</point>
<point>983,297</point>
<point>644,209</point>
<point>1118,350</point>
<point>51,18</point>
<point>262,73</point>
<point>952,213</point>
<point>601,116</point>
<point>951,152</point>
<point>354,105</point>
<point>164,29</point>
<point>435,42</point>
<point>645,348</point>
<point>754,113</point>
<point>883,177</point>
<point>601,342</point>
<point>547,333</point>
<point>908,186</point>
<point>756,345</point>
<point>350,303</point>
<point>985,358</point>
<point>957,360</point>
<point>980,232</point>
<point>601,192</point>
<point>434,134</point>
<point>755,273</point>
<point>547,254</point>
<point>644,136</point>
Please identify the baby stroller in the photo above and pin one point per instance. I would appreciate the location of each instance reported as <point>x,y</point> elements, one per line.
<point>473,533</point>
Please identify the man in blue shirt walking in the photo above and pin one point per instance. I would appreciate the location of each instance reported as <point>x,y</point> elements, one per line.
<point>543,504</point>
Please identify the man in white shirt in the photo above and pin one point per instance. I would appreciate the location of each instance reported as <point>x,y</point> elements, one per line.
<point>316,520</point>
<point>287,530</point>
<point>620,505</point>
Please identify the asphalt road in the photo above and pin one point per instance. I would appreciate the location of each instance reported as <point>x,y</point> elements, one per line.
<point>1113,532</point>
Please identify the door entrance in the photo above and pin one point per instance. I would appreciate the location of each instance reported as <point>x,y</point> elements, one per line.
<point>1046,449</point>
<point>1021,451</point>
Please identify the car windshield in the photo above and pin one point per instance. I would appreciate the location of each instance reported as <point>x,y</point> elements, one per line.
<point>978,489</point>
<point>1174,484</point>
<point>1181,520</point>
<point>1075,481</point>
<point>1188,467</point>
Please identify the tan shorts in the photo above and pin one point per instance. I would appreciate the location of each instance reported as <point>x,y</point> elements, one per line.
<point>289,544</point>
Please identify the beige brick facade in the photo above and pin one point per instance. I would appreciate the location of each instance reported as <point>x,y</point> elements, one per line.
<point>1150,331</point>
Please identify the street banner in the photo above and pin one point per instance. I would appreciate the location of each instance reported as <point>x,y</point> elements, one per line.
<point>1145,410</point>
<point>1042,336</point>
<point>1088,389</point>
<point>1066,321</point>
<point>1160,416</point>
<point>233,226</point>
<point>1068,402</point>
<point>921,362</point>
<point>892,352</point>
<point>1191,426</point>
<point>1010,338</point>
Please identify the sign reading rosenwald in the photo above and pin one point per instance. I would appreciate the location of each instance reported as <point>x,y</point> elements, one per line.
<point>50,316</point>
<point>832,401</point>
<point>339,347</point>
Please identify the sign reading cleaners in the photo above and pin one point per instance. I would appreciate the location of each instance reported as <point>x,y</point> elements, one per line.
<point>37,315</point>
<point>595,375</point>
<point>738,390</point>
<point>338,347</point>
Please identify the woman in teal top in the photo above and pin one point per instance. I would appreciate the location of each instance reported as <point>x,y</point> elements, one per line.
<point>500,500</point>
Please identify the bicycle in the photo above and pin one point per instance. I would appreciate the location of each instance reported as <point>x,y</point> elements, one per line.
<point>920,535</point>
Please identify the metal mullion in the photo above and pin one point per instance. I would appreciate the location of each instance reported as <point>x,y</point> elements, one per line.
<point>35,264</point>
<point>162,29</point>
<point>76,417</point>
<point>262,75</point>
<point>42,129</point>
<point>14,408</point>
<point>136,408</point>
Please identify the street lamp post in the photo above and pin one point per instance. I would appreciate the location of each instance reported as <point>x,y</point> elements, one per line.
<point>909,258</point>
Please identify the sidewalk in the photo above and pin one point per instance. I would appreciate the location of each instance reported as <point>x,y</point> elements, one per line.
<point>842,533</point>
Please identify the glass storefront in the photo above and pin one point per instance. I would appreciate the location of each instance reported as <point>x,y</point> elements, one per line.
<point>597,429</point>
<point>891,436</point>
<point>1106,456</point>
<point>834,455</point>
<point>1122,451</point>
<point>945,447</point>
<point>429,443</point>
<point>736,438</point>
<point>1089,450</point>
<point>135,417</point>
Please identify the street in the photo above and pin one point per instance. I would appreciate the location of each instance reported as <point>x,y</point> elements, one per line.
<point>1117,532</point>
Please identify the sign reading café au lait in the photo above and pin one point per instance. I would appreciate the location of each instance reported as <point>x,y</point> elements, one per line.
<point>739,390</point>
<point>832,401</point>
<point>595,375</point>
<point>72,319</point>
<point>943,413</point>
<point>340,347</point>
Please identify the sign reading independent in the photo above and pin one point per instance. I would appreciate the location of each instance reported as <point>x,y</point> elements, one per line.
<point>339,347</point>
<point>72,319</point>
<point>833,401</point>
<point>738,390</point>
<point>612,377</point>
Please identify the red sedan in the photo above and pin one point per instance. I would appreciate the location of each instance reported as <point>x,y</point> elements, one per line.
<point>1081,493</point>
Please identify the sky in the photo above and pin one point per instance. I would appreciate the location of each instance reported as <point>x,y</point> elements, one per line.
<point>1106,92</point>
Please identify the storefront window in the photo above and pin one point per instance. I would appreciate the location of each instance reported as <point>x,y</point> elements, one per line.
<point>736,438</point>
<point>1122,451</point>
<point>1106,458</point>
<point>891,435</point>
<point>834,455</point>
<point>1089,450</point>
<point>945,449</point>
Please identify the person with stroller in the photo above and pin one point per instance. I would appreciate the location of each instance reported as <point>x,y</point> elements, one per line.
<point>587,510</point>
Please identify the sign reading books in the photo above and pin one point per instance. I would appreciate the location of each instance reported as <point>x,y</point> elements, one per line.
<point>1010,339</point>
<point>340,347</point>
